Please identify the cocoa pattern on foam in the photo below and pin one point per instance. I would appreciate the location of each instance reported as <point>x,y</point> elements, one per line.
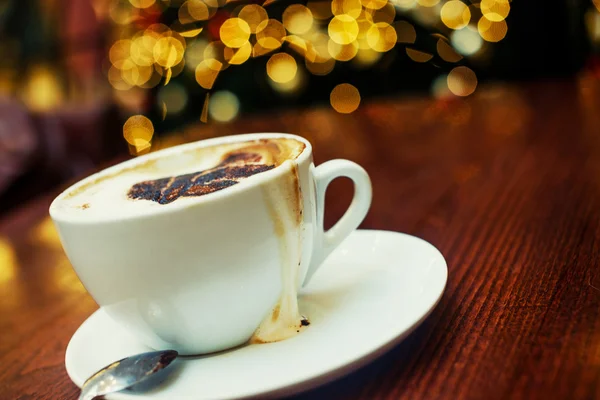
<point>230,171</point>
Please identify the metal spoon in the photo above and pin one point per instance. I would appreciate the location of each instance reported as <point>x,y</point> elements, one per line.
<point>125,373</point>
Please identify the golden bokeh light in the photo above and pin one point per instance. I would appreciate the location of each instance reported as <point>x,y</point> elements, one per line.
<point>320,67</point>
<point>428,3</point>
<point>342,52</point>
<point>386,14</point>
<point>381,37</point>
<point>466,41</point>
<point>214,55</point>
<point>343,29</point>
<point>259,51</point>
<point>317,50</point>
<point>195,53</point>
<point>297,44</point>
<point>168,51</point>
<point>418,55</point>
<point>364,21</point>
<point>115,79</point>
<point>141,49</point>
<point>374,4</point>
<point>404,4</point>
<point>205,75</point>
<point>234,32</point>
<point>200,10</point>
<point>142,3</point>
<point>238,56</point>
<point>121,12</point>
<point>138,130</point>
<point>495,10</point>
<point>253,14</point>
<point>405,32</point>
<point>42,90</point>
<point>119,52</point>
<point>281,67</point>
<point>223,106</point>
<point>446,52</point>
<point>291,87</point>
<point>8,260</point>
<point>492,31</point>
<point>174,97</point>
<point>455,14</point>
<point>348,7</point>
<point>135,75</point>
<point>45,234</point>
<point>191,33</point>
<point>270,34</point>
<point>320,10</point>
<point>462,81</point>
<point>366,57</point>
<point>344,98</point>
<point>297,19</point>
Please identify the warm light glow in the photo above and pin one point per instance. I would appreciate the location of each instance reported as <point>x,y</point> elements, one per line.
<point>141,50</point>
<point>191,33</point>
<point>297,19</point>
<point>492,31</point>
<point>174,97</point>
<point>348,7</point>
<point>466,41</point>
<point>238,56</point>
<point>343,29</point>
<point>405,32</point>
<point>42,90</point>
<point>291,87</point>
<point>270,34</point>
<point>194,10</point>
<point>446,52</point>
<point>45,234</point>
<point>428,3</point>
<point>119,52</point>
<point>342,52</point>
<point>381,37</point>
<point>205,75</point>
<point>234,32</point>
<point>224,106</point>
<point>418,56</point>
<point>344,98</point>
<point>253,14</point>
<point>455,14</point>
<point>320,67</point>
<point>195,53</point>
<point>297,44</point>
<point>168,52</point>
<point>320,9</point>
<point>374,4</point>
<point>281,67</point>
<point>135,75</point>
<point>142,3</point>
<point>495,10</point>
<point>366,57</point>
<point>214,55</point>
<point>404,4</point>
<point>365,22</point>
<point>138,130</point>
<point>8,261</point>
<point>386,14</point>
<point>462,81</point>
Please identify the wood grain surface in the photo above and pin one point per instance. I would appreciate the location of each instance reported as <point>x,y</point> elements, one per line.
<point>505,183</point>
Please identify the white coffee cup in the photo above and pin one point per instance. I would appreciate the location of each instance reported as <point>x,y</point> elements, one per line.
<point>200,276</point>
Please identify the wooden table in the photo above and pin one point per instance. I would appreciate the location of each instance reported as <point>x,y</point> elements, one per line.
<point>505,183</point>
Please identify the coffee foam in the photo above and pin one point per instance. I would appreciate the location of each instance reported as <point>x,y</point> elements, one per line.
<point>110,193</point>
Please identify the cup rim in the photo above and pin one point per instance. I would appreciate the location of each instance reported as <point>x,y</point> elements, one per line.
<point>59,215</point>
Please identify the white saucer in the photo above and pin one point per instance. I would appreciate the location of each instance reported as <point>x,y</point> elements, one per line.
<point>370,294</point>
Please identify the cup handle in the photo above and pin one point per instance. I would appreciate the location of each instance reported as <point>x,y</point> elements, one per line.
<point>327,241</point>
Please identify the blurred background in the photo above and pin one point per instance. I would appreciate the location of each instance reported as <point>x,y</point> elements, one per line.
<point>86,82</point>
